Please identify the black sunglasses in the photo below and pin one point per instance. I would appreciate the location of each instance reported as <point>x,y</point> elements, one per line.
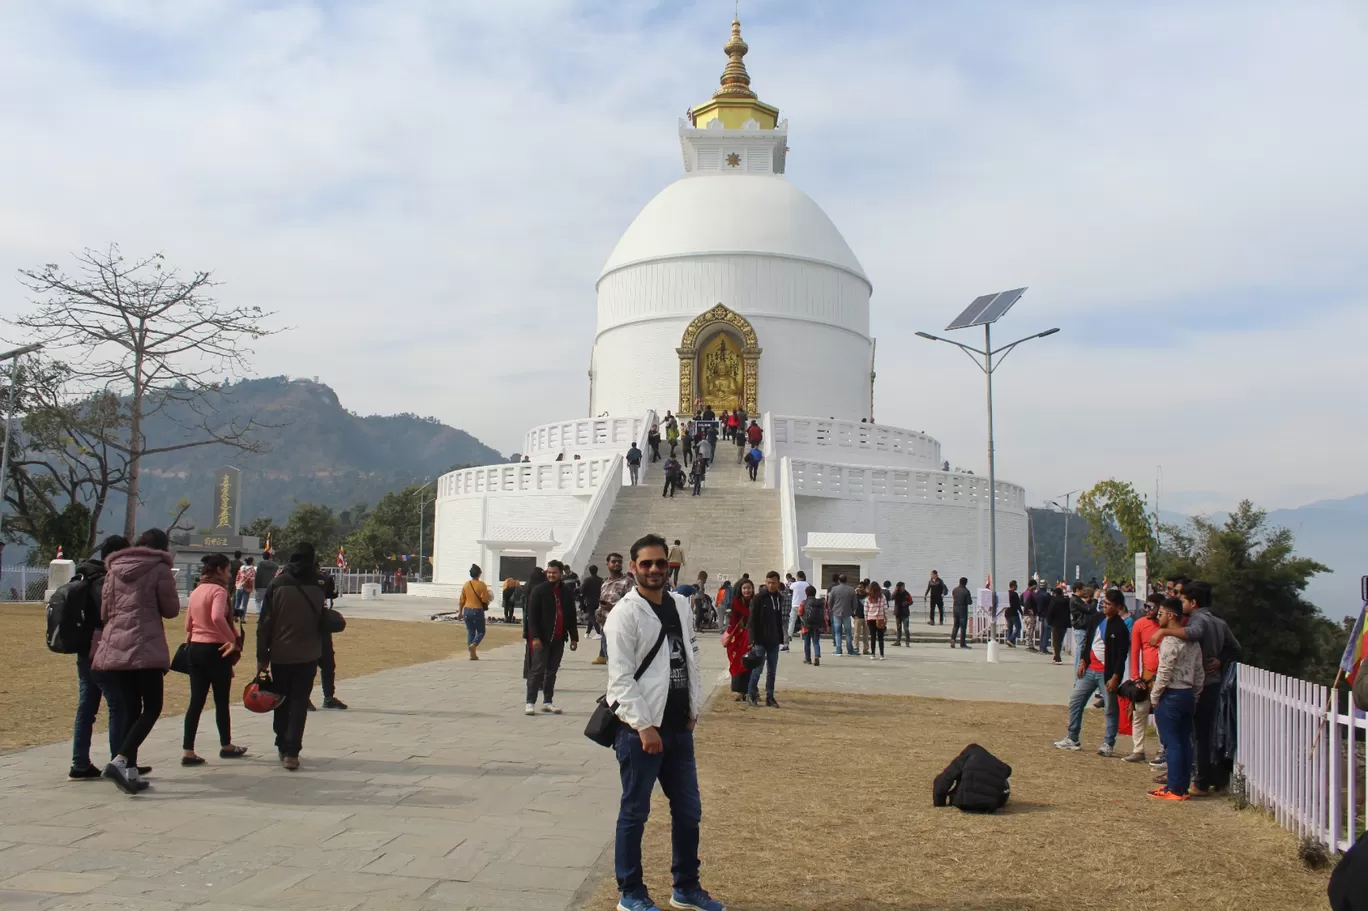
<point>658,564</point>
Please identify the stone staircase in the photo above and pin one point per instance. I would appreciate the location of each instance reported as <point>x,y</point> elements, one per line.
<point>729,529</point>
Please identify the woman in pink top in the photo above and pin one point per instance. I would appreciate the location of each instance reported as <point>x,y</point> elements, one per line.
<point>213,641</point>
<point>876,620</point>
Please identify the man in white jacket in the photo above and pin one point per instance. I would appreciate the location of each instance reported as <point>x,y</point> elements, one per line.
<point>656,689</point>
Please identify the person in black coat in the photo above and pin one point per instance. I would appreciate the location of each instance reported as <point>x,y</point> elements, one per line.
<point>551,621</point>
<point>767,633</point>
<point>534,578</point>
<point>1058,616</point>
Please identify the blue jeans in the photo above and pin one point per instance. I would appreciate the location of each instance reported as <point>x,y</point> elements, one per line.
<point>1013,628</point>
<point>961,626</point>
<point>475,626</point>
<point>674,768</point>
<point>770,668</point>
<point>840,629</point>
<point>1173,716</point>
<point>1084,687</point>
<point>87,707</point>
<point>1078,636</point>
<point>812,644</point>
<point>240,599</point>
<point>1044,636</point>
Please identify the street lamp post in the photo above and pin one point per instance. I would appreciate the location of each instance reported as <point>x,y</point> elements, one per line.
<point>985,311</point>
<point>421,504</point>
<point>13,358</point>
<point>1067,512</point>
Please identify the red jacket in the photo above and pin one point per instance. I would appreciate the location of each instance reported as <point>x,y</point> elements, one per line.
<point>738,642</point>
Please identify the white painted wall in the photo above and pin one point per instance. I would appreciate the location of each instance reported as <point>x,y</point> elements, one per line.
<point>811,322</point>
<point>915,538</point>
<point>462,521</point>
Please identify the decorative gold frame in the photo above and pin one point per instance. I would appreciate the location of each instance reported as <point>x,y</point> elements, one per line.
<point>719,317</point>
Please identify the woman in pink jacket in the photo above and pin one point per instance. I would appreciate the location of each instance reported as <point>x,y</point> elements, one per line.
<point>876,620</point>
<point>212,644</point>
<point>139,590</point>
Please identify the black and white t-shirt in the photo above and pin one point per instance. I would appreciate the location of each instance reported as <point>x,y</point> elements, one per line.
<point>677,702</point>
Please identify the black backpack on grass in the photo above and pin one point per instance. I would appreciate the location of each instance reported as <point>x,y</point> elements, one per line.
<point>69,626</point>
<point>976,781</point>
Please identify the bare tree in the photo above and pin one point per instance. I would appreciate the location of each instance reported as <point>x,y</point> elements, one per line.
<point>62,457</point>
<point>140,331</point>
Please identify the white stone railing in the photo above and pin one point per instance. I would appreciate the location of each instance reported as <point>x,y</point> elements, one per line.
<point>821,438</point>
<point>581,546</point>
<point>577,476</point>
<point>771,451</point>
<point>788,516</point>
<point>569,437</point>
<point>863,482</point>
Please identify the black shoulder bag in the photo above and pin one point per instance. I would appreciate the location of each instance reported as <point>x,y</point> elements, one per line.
<point>604,723</point>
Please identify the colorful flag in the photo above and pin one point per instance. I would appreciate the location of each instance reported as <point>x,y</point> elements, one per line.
<point>341,560</point>
<point>267,548</point>
<point>59,553</point>
<point>1357,647</point>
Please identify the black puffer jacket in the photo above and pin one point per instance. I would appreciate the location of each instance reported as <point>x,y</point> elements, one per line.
<point>976,781</point>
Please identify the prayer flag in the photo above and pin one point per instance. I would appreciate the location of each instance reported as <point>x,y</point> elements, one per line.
<point>1356,648</point>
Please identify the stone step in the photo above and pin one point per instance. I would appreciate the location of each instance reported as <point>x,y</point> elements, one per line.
<point>721,530</point>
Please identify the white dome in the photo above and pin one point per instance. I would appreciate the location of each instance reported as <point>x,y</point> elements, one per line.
<point>733,214</point>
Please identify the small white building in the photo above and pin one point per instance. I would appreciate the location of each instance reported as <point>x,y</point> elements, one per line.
<point>732,288</point>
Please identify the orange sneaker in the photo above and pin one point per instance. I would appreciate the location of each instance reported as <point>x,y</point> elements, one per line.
<point>1166,794</point>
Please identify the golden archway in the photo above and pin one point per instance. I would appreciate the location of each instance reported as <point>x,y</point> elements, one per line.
<point>706,336</point>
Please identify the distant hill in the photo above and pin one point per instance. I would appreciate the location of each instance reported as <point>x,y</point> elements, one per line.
<point>1335,532</point>
<point>317,451</point>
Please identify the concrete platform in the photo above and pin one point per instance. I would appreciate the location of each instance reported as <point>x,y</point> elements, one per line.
<point>432,792</point>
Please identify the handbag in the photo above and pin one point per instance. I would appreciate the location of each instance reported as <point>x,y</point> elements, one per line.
<point>604,723</point>
<point>180,662</point>
<point>331,621</point>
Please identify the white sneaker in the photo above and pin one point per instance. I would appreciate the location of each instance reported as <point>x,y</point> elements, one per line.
<point>529,709</point>
<point>1106,751</point>
<point>883,657</point>
<point>1067,744</point>
<point>873,657</point>
<point>550,709</point>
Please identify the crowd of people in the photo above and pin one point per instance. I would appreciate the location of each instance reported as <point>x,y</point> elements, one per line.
<point>696,445</point>
<point>117,602</point>
<point>1172,659</point>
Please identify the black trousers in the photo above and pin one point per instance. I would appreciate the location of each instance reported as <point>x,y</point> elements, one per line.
<point>142,695</point>
<point>961,626</point>
<point>1057,634</point>
<point>546,662</point>
<point>294,682</point>
<point>669,487</point>
<point>208,670</point>
<point>327,667</point>
<point>876,638</point>
<point>936,603</point>
<point>1210,772</point>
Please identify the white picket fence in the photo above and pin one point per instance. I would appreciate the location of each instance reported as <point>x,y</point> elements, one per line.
<point>1316,794</point>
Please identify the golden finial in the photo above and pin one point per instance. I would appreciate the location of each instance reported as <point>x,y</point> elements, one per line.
<point>735,79</point>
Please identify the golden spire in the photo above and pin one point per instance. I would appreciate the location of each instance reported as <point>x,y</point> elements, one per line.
<point>735,79</point>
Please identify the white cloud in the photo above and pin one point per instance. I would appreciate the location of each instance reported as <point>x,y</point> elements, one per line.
<point>428,191</point>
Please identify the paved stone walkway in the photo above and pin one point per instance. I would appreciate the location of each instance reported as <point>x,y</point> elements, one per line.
<point>433,791</point>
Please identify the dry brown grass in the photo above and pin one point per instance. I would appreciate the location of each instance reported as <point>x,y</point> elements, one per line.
<point>38,688</point>
<point>826,804</point>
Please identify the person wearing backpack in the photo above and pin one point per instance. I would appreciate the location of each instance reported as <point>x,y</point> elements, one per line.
<point>245,577</point>
<point>77,626</point>
<point>139,591</point>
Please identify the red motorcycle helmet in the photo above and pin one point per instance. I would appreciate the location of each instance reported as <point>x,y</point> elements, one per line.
<point>259,697</point>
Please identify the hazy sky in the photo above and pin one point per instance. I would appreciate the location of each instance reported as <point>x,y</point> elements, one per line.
<point>428,190</point>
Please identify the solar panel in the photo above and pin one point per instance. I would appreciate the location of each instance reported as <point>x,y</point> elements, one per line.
<point>987,309</point>
<point>970,312</point>
<point>999,307</point>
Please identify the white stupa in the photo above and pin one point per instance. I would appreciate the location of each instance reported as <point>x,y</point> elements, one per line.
<point>732,288</point>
